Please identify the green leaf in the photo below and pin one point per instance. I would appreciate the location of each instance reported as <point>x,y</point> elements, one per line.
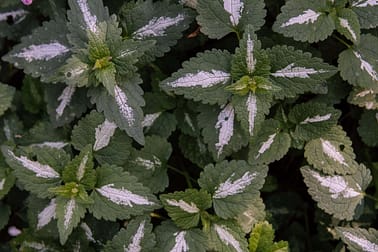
<point>202,78</point>
<point>313,119</point>
<point>124,109</point>
<point>42,53</point>
<point>226,236</point>
<point>366,11</point>
<point>110,145</point>
<point>364,97</point>
<point>37,176</point>
<point>217,19</point>
<point>304,21</point>
<point>65,103</point>
<point>7,179</point>
<point>269,144</point>
<point>261,239</point>
<point>347,24</point>
<point>32,94</point>
<point>6,97</point>
<point>296,72</point>
<point>171,238</point>
<point>137,236</point>
<point>5,212</point>
<point>149,164</point>
<point>194,149</point>
<point>254,214</point>
<point>185,207</point>
<point>359,239</point>
<point>332,153</point>
<point>80,169</point>
<point>366,130</point>
<point>337,195</point>
<point>68,212</point>
<point>42,215</point>
<point>358,64</point>
<point>220,131</point>
<point>145,21</point>
<point>163,124</point>
<point>234,186</point>
<point>119,195</point>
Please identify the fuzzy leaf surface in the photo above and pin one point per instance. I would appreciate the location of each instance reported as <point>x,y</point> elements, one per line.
<point>337,195</point>
<point>6,97</point>
<point>226,236</point>
<point>359,239</point>
<point>347,24</point>
<point>261,239</point>
<point>366,11</point>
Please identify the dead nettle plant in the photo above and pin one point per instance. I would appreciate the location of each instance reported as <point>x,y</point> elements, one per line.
<point>188,125</point>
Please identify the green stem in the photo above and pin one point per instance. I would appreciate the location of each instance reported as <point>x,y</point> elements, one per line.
<point>341,40</point>
<point>371,197</point>
<point>183,173</point>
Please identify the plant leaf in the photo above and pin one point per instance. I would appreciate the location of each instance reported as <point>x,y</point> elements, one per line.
<point>234,186</point>
<point>6,97</point>
<point>366,11</point>
<point>335,194</point>
<point>359,239</point>
<point>368,133</point>
<point>226,236</point>
<point>261,239</point>
<point>185,207</point>
<point>347,24</point>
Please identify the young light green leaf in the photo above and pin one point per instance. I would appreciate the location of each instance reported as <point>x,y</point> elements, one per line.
<point>296,72</point>
<point>217,19</point>
<point>119,195</point>
<point>136,237</point>
<point>68,212</point>
<point>226,236</point>
<point>345,192</point>
<point>269,144</point>
<point>261,239</point>
<point>171,238</point>
<point>348,25</point>
<point>110,145</point>
<point>124,109</point>
<point>304,21</point>
<point>185,207</point>
<point>368,129</point>
<point>42,53</point>
<point>366,11</point>
<point>202,78</point>
<point>358,64</point>
<point>6,97</point>
<point>332,153</point>
<point>231,182</point>
<point>149,163</point>
<point>359,239</point>
<point>254,214</point>
<point>313,119</point>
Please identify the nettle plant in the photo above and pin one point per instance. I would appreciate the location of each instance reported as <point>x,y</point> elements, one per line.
<point>189,125</point>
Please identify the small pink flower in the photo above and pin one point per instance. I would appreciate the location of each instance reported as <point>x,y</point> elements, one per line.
<point>27,2</point>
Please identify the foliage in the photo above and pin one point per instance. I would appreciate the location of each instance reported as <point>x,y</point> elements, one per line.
<point>233,125</point>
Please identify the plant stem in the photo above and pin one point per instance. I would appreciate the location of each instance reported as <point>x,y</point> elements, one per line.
<point>371,197</point>
<point>341,40</point>
<point>183,173</point>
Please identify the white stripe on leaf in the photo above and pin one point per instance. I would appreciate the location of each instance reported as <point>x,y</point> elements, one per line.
<point>88,232</point>
<point>42,52</point>
<point>104,132</point>
<point>47,214</point>
<point>365,3</point>
<point>180,242</point>
<point>188,121</point>
<point>364,244</point>
<point>308,16</point>
<point>336,185</point>
<point>149,119</point>
<point>69,212</point>
<point>55,145</point>
<point>2,183</point>
<point>251,61</point>
<point>332,152</point>
<point>252,112</point>
<point>65,99</point>
<point>235,8</point>
<point>296,72</point>
<point>227,238</point>
<point>225,124</point>
<point>365,93</point>
<point>17,16</point>
<point>81,169</point>
<point>157,27</point>
<point>40,170</point>
<point>148,164</point>
<point>89,19</point>
<point>366,66</point>
<point>122,196</point>
<point>183,205</point>
<point>126,111</point>
<point>266,145</point>
<point>229,187</point>
<point>135,245</point>
<point>201,79</point>
<point>345,24</point>
<point>317,118</point>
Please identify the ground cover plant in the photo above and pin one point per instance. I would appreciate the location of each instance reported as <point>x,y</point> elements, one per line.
<point>197,125</point>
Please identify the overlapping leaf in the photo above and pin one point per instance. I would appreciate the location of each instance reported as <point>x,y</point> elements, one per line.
<point>368,129</point>
<point>359,239</point>
<point>42,215</point>
<point>226,236</point>
<point>254,214</point>
<point>233,185</point>
<point>364,97</point>
<point>261,239</point>
<point>366,11</point>
<point>347,24</point>
<point>335,194</point>
<point>6,97</point>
